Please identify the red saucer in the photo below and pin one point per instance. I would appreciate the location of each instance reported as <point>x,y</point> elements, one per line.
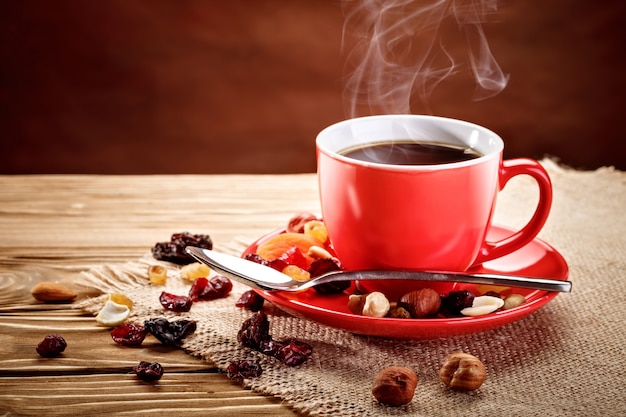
<point>537,259</point>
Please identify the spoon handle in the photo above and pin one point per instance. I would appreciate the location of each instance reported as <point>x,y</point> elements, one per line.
<point>468,278</point>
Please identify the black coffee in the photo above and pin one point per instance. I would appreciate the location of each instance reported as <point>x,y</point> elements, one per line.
<point>410,153</point>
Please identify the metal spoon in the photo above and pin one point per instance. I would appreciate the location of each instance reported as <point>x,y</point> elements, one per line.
<point>260,276</point>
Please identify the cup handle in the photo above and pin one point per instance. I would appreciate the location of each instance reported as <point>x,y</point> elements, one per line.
<point>509,169</point>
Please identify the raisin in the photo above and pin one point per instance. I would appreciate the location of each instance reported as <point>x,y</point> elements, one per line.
<point>456,301</point>
<point>170,333</point>
<point>241,369</point>
<point>250,300</point>
<point>148,371</point>
<point>52,345</point>
<point>254,330</point>
<point>129,334</point>
<point>176,303</point>
<point>174,250</point>
<point>204,289</point>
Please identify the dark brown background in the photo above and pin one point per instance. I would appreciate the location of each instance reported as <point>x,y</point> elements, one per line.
<point>192,86</point>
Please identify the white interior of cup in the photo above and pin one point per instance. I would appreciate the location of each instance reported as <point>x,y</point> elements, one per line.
<point>357,132</point>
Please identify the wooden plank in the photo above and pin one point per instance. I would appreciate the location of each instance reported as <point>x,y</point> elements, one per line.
<point>115,393</point>
<point>53,227</point>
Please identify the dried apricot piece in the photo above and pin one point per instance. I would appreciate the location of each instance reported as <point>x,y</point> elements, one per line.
<point>276,246</point>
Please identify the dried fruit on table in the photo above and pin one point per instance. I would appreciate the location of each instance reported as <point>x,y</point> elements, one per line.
<point>394,386</point>
<point>51,346</point>
<point>292,352</point>
<point>195,270</point>
<point>174,250</point>
<point>129,334</point>
<point>120,298</point>
<point>250,300</point>
<point>148,371</point>
<point>462,371</point>
<point>176,303</point>
<point>254,330</point>
<point>254,334</point>
<point>113,314</point>
<point>170,333</point>
<point>244,369</point>
<point>52,292</point>
<point>157,274</point>
<point>278,245</point>
<point>204,289</point>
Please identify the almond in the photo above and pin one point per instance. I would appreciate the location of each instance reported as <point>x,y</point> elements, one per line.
<point>51,291</point>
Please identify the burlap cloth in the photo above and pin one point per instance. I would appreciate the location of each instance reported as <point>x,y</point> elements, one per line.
<point>565,359</point>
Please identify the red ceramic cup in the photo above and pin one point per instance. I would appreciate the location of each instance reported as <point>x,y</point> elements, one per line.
<point>419,217</point>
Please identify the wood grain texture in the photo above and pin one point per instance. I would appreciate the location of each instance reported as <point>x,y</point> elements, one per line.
<point>54,227</point>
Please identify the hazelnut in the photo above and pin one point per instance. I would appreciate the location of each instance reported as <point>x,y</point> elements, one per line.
<point>376,305</point>
<point>462,372</point>
<point>394,386</point>
<point>420,303</point>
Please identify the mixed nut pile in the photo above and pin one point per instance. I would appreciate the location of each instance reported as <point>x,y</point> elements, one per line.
<point>303,252</point>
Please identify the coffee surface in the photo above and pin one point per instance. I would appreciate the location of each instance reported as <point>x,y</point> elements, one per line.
<point>410,153</point>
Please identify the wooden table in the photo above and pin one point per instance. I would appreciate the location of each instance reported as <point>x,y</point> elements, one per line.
<point>53,227</point>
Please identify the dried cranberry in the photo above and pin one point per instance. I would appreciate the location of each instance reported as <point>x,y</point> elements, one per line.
<point>250,300</point>
<point>129,334</point>
<point>177,303</point>
<point>456,301</point>
<point>293,256</point>
<point>278,264</point>
<point>323,266</point>
<point>254,334</point>
<point>170,333</point>
<point>148,371</point>
<point>256,258</point>
<point>174,250</point>
<point>254,330</point>
<point>242,369</point>
<point>293,352</point>
<point>204,289</point>
<point>52,345</point>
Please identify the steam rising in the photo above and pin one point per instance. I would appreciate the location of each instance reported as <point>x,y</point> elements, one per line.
<point>400,53</point>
